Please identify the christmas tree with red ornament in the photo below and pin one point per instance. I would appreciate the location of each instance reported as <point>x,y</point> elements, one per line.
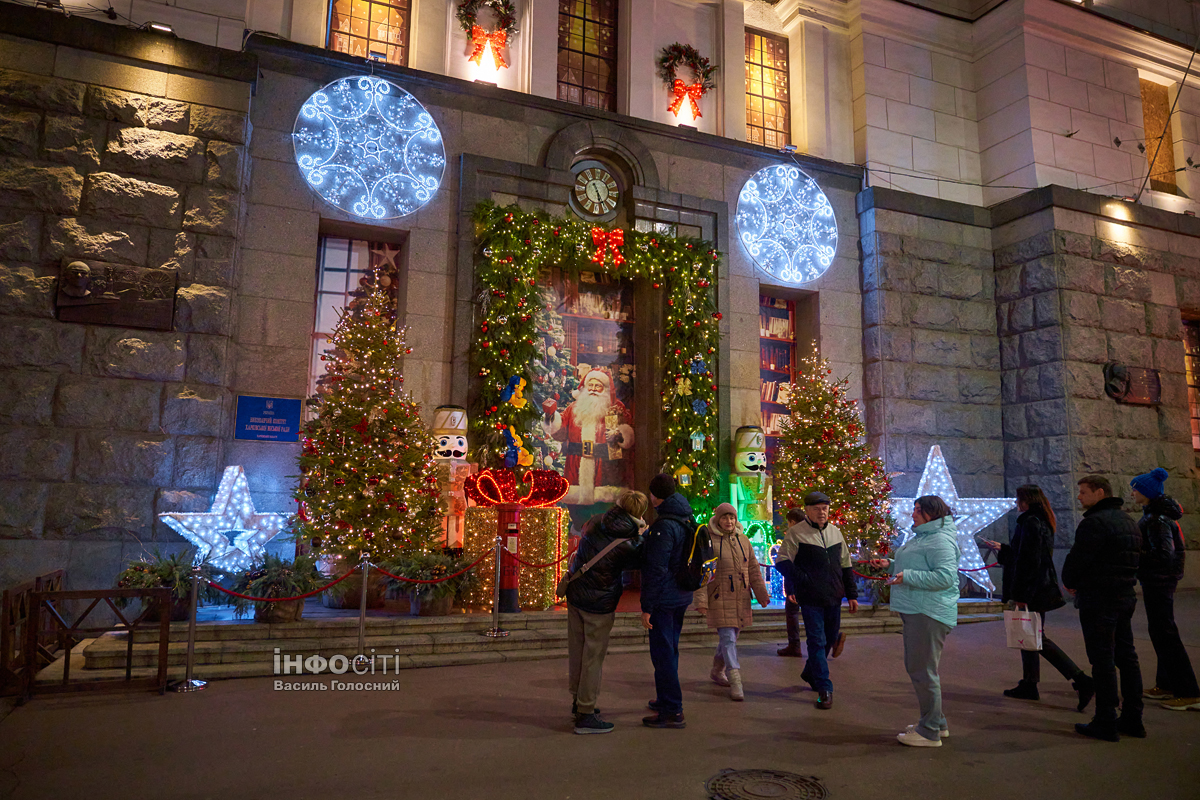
<point>823,448</point>
<point>368,480</point>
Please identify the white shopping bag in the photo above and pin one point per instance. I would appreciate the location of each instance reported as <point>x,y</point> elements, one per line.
<point>1023,629</point>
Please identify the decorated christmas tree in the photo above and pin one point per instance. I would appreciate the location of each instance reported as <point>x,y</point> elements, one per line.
<point>823,449</point>
<point>553,375</point>
<point>368,479</point>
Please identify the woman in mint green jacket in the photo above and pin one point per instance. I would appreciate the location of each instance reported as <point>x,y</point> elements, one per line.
<point>925,593</point>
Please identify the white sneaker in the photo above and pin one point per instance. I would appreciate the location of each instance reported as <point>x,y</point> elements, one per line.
<point>941,734</point>
<point>913,739</point>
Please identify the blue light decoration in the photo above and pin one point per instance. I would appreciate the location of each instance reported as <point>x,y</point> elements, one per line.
<point>786,224</point>
<point>368,147</point>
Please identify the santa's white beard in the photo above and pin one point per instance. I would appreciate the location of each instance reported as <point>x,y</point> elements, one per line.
<point>590,409</point>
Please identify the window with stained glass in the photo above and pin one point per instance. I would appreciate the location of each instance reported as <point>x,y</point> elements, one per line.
<point>1191,362</point>
<point>587,53</point>
<point>370,29</point>
<point>768,107</point>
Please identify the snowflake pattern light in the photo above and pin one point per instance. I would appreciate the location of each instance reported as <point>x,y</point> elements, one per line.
<point>786,224</point>
<point>369,148</point>
<point>231,535</point>
<point>971,514</point>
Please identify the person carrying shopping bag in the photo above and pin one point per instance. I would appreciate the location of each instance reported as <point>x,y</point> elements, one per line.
<point>725,601</point>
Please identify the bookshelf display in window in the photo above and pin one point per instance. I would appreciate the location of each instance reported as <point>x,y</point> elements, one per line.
<point>777,350</point>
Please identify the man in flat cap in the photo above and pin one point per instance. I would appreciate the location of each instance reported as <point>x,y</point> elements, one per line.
<point>815,564</point>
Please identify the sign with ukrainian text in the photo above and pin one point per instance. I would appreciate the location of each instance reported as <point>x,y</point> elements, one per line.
<point>267,419</point>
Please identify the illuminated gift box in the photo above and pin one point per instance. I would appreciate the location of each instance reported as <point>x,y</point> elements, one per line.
<point>544,533</point>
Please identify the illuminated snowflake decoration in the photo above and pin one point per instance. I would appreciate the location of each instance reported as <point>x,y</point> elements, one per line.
<point>369,148</point>
<point>971,514</point>
<point>786,224</point>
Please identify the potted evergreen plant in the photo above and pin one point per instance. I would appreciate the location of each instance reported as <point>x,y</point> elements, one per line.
<point>429,599</point>
<point>174,572</point>
<point>275,577</point>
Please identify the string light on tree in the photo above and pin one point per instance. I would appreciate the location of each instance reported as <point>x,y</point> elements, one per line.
<point>368,147</point>
<point>971,514</point>
<point>231,535</point>
<point>786,224</point>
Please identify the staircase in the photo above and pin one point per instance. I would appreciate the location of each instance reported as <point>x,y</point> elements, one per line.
<point>237,649</point>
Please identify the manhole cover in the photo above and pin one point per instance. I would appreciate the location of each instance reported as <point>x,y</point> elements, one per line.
<point>751,784</point>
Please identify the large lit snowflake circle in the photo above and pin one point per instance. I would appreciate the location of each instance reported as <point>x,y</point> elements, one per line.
<point>786,224</point>
<point>369,148</point>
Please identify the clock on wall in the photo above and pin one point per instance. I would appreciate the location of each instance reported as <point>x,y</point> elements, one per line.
<point>596,192</point>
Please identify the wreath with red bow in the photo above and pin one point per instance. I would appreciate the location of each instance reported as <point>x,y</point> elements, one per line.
<point>678,55</point>
<point>506,28</point>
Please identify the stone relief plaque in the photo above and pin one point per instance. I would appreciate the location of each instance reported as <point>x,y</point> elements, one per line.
<point>1134,385</point>
<point>99,293</point>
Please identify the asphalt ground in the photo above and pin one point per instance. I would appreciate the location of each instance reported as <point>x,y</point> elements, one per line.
<point>504,731</point>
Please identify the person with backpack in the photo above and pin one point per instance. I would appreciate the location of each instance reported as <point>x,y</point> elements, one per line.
<point>593,588</point>
<point>664,600</point>
<point>817,574</point>
<point>725,601</point>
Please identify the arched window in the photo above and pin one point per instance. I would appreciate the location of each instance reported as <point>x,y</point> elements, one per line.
<point>587,53</point>
<point>370,29</point>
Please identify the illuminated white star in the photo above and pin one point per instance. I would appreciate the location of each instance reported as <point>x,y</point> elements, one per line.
<point>971,514</point>
<point>231,535</point>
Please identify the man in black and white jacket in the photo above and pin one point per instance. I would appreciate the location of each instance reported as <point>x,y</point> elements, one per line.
<point>815,564</point>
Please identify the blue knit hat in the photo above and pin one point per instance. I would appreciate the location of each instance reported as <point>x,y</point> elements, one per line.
<point>1150,484</point>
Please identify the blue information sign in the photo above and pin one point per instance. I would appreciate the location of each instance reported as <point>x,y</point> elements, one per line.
<point>267,419</point>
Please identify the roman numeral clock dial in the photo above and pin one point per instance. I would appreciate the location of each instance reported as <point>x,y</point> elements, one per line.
<point>596,192</point>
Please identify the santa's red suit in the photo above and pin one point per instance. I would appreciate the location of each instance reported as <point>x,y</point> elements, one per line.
<point>592,473</point>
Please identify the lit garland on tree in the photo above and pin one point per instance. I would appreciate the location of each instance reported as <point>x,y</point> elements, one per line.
<point>515,245</point>
<point>369,482</point>
<point>822,450</point>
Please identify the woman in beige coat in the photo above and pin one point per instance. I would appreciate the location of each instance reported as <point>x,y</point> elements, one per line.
<point>726,600</point>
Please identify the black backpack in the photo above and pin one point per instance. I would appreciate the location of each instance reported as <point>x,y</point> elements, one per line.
<point>699,565</point>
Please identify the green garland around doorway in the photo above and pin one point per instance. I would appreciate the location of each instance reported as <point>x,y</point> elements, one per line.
<point>513,245</point>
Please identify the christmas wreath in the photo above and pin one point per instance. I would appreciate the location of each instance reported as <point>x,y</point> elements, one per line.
<point>670,60</point>
<point>506,27</point>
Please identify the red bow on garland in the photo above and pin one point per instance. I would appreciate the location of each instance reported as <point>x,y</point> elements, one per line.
<point>495,486</point>
<point>692,92</point>
<point>605,240</point>
<point>480,39</point>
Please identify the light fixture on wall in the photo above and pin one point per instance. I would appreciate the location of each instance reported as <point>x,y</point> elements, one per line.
<point>159,27</point>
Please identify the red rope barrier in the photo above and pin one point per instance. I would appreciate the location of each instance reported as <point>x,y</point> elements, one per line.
<point>535,566</point>
<point>436,580</point>
<point>280,599</point>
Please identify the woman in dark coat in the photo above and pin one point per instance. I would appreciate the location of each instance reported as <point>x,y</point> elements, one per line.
<point>1030,581</point>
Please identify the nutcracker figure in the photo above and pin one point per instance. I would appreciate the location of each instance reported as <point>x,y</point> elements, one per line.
<point>450,453</point>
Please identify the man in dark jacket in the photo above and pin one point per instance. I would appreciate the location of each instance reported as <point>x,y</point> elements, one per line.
<point>1161,568</point>
<point>815,563</point>
<point>1101,571</point>
<point>663,601</point>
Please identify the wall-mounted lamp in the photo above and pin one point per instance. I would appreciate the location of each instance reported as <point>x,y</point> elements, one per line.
<point>159,27</point>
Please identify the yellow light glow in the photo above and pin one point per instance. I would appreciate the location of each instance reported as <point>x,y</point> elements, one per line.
<point>486,70</point>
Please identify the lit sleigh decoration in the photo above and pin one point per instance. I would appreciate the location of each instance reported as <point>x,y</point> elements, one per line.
<point>786,224</point>
<point>369,148</point>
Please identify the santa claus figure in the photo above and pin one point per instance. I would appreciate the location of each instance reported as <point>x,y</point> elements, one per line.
<point>597,438</point>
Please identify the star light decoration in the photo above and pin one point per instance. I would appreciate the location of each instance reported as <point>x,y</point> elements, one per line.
<point>231,535</point>
<point>786,224</point>
<point>971,514</point>
<point>369,148</point>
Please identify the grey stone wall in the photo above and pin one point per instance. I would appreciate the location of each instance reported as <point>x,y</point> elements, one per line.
<point>101,428</point>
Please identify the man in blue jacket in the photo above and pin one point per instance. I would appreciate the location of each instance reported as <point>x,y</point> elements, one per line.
<point>663,602</point>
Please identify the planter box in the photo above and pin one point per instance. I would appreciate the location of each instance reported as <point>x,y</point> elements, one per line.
<point>275,613</point>
<point>431,608</point>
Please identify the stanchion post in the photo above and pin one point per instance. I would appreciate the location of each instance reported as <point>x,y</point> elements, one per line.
<point>361,658</point>
<point>495,631</point>
<point>189,683</point>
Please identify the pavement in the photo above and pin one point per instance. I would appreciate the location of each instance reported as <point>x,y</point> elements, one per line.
<point>504,731</point>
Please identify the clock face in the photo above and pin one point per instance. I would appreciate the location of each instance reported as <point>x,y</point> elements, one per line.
<point>596,191</point>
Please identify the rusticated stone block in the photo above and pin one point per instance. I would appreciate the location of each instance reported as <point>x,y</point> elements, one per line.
<point>1176,426</point>
<point>74,140</point>
<point>207,359</point>
<point>931,312</point>
<point>1017,316</point>
<point>82,511</point>
<point>197,462</point>
<point>1010,352</point>
<point>976,317</point>
<point>36,454</point>
<point>202,309</point>
<point>1040,275</point>
<point>1045,309</point>
<point>21,513</point>
<point>1081,308</point>
<point>971,421</point>
<point>96,239</point>
<point>1014,422</point>
<point>1026,456</point>
<point>35,91</point>
<point>1085,344</point>
<point>107,403</point>
<point>215,123</point>
<point>1093,454</point>
<point>941,348</point>
<point>121,353</point>
<point>884,343</point>
<point>1181,265</point>
<point>1075,244</point>
<point>137,110</point>
<point>971,456</point>
<point>879,307</point>
<point>1131,457</point>
<point>54,190</point>
<point>940,252</point>
<point>40,343</point>
<point>216,246</point>
<point>19,132</point>
<point>27,397</point>
<point>1082,274</point>
<point>214,271</point>
<point>195,410</point>
<point>909,417</point>
<point>1187,290</point>
<point>223,165</point>
<point>959,282</point>
<point>211,211</point>
<point>1008,284</point>
<point>1085,380</point>
<point>23,294</point>
<point>1046,418</point>
<point>985,352</point>
<point>924,276</point>
<point>1057,456</point>
<point>271,370</point>
<point>1164,321</point>
<point>1092,417</point>
<point>157,154</point>
<point>1041,346</point>
<point>1029,385</point>
<point>1025,250</point>
<point>1128,255</point>
<point>20,239</point>
<point>106,457</point>
<point>173,250</point>
<point>1137,422</point>
<point>1128,349</point>
<point>1168,355</point>
<point>131,200</point>
<point>1174,389</point>
<point>979,387</point>
<point>1124,316</point>
<point>1129,282</point>
<point>932,383</point>
<point>1010,385</point>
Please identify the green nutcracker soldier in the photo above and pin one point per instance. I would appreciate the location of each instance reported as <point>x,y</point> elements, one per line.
<point>750,485</point>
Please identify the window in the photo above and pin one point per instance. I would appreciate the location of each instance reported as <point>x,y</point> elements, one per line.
<point>1191,361</point>
<point>587,53</point>
<point>370,29</point>
<point>776,354</point>
<point>768,108</point>
<point>1156,110</point>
